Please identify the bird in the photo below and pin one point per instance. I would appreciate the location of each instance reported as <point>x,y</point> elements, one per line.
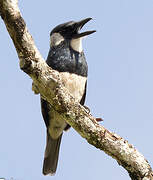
<point>67,57</point>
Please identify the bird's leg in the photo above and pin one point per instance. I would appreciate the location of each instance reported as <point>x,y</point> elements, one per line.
<point>87,109</point>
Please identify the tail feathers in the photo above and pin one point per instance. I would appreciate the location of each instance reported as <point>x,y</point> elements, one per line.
<point>51,155</point>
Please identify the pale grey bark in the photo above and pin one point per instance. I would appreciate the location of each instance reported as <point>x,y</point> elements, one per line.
<point>49,85</point>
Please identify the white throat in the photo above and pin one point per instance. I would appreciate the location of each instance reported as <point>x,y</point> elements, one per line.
<point>76,44</point>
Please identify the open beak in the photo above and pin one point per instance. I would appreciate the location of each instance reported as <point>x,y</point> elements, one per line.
<point>79,26</point>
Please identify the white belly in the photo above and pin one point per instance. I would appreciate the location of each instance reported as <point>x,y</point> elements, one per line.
<point>75,84</point>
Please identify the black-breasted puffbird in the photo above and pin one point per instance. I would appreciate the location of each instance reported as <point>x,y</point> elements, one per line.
<point>67,57</point>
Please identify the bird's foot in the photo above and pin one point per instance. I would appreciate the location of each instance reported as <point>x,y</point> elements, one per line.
<point>88,111</point>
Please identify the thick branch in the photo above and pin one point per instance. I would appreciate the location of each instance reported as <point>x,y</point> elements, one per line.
<point>51,88</point>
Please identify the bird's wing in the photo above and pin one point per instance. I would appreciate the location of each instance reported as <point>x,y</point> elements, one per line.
<point>45,108</point>
<point>84,95</point>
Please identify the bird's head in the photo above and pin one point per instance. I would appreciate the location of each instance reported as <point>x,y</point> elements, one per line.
<point>70,32</point>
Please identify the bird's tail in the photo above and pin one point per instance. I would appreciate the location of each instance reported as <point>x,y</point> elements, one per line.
<point>51,155</point>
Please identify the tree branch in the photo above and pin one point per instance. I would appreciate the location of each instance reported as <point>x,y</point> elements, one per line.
<point>49,85</point>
